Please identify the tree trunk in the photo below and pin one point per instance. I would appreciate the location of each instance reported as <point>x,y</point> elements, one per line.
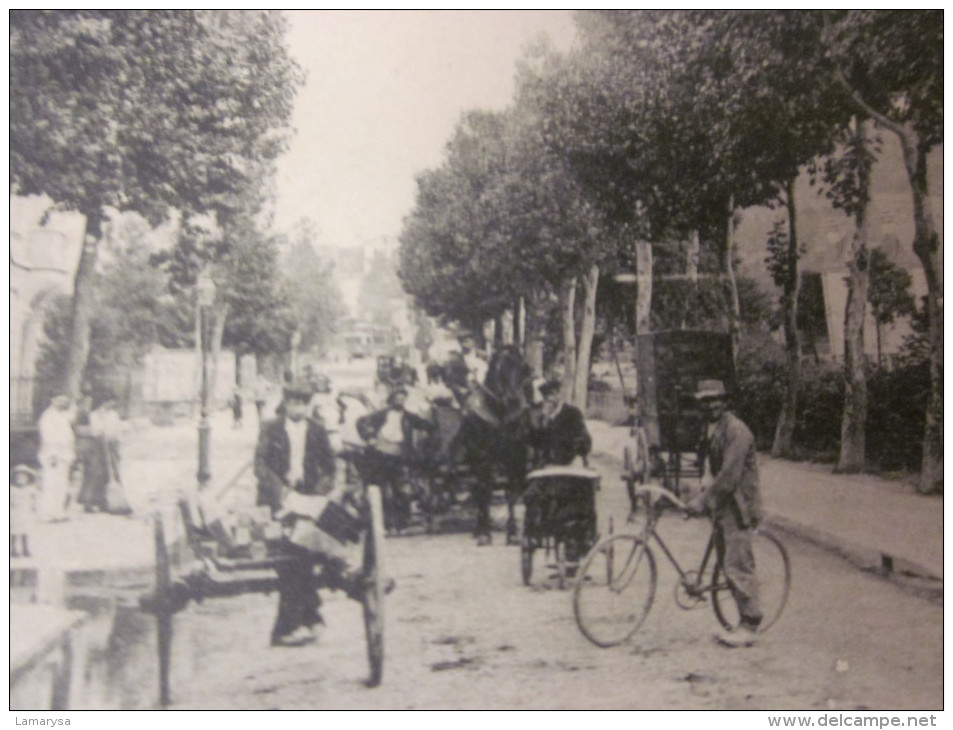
<point>784,433</point>
<point>498,333</point>
<point>586,331</point>
<point>83,300</point>
<point>692,257</point>
<point>880,351</point>
<point>567,304</point>
<point>643,294</point>
<point>854,421</point>
<point>734,312</point>
<point>533,335</point>
<point>926,246</point>
<point>645,386</point>
<point>519,324</point>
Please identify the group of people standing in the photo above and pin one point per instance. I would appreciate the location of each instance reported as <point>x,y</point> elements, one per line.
<point>79,465</point>
<point>295,453</point>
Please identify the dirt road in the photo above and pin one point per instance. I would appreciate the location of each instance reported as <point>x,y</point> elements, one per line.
<point>462,632</point>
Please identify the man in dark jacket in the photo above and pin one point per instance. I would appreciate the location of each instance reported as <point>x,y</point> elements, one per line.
<point>732,496</point>
<point>389,434</point>
<point>293,451</point>
<point>560,434</point>
<point>294,454</point>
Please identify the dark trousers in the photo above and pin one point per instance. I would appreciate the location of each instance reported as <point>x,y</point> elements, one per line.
<point>298,599</point>
<point>733,543</point>
<point>387,471</point>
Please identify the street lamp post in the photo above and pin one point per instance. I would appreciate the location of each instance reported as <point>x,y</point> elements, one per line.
<point>205,293</point>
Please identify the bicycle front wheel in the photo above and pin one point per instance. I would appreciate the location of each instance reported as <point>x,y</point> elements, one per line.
<point>614,589</point>
<point>773,570</point>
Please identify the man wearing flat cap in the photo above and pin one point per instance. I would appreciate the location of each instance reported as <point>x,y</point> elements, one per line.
<point>561,434</point>
<point>293,451</point>
<point>389,434</point>
<point>294,454</point>
<point>732,497</point>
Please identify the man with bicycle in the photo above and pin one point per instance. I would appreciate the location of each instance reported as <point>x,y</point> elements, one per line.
<point>731,495</point>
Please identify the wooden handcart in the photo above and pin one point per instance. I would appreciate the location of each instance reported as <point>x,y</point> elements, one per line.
<point>214,573</point>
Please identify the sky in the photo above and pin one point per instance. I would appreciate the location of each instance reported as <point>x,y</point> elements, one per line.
<point>384,91</point>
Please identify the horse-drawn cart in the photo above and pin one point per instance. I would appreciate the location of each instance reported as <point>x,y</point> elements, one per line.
<point>220,567</point>
<point>667,428</point>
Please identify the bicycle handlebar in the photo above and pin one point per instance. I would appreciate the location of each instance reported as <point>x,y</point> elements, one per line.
<point>658,493</point>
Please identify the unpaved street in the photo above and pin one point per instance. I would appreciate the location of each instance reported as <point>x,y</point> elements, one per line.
<point>462,632</point>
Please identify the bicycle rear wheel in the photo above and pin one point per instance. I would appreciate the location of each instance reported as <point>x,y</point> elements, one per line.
<point>773,569</point>
<point>614,589</point>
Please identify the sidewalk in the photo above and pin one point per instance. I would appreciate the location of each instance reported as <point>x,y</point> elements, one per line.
<point>102,551</point>
<point>878,524</point>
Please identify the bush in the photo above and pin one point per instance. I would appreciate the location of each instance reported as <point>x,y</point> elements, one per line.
<point>760,386</point>
<point>819,412</point>
<point>896,403</point>
<point>896,409</point>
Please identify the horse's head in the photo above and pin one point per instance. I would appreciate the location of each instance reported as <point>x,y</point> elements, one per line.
<point>510,380</point>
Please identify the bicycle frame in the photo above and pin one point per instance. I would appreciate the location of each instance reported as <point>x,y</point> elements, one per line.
<point>694,588</point>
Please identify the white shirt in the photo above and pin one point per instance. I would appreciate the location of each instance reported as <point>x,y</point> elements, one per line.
<point>297,432</point>
<point>56,432</point>
<point>392,430</point>
<point>106,422</point>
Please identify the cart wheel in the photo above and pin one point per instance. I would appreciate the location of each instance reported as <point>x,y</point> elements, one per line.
<point>163,610</point>
<point>373,570</point>
<point>526,554</point>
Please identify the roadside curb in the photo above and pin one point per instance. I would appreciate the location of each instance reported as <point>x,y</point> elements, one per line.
<point>906,574</point>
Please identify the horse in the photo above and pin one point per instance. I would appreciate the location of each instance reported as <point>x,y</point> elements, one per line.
<point>494,435</point>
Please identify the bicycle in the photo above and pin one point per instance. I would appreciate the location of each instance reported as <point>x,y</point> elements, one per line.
<point>616,584</point>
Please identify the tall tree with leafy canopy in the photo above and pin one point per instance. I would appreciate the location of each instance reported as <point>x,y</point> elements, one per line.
<point>146,111</point>
<point>499,220</point>
<point>260,318</point>
<point>313,293</point>
<point>847,175</point>
<point>445,257</point>
<point>889,64</point>
<point>680,119</point>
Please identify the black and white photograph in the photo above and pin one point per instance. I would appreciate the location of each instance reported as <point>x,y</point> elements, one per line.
<point>477,360</point>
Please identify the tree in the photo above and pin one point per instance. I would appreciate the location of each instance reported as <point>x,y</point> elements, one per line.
<point>146,111</point>
<point>500,219</point>
<point>890,66</point>
<point>259,314</point>
<point>132,311</point>
<point>888,294</point>
<point>683,118</point>
<point>847,174</point>
<point>379,288</point>
<point>313,293</point>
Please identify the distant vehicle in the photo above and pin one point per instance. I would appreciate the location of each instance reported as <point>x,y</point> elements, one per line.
<point>364,339</point>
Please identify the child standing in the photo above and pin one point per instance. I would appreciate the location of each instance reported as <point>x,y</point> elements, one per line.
<point>23,499</point>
